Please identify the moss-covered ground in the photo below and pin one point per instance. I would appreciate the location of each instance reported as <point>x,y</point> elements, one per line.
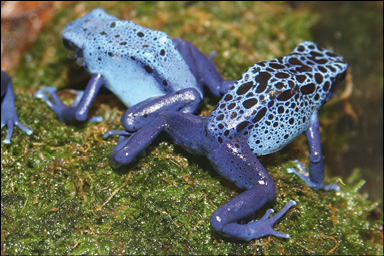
<point>60,195</point>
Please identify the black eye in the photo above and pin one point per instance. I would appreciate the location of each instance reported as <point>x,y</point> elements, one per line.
<point>69,45</point>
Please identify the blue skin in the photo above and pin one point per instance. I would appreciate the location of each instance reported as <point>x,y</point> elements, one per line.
<point>143,67</point>
<point>8,110</point>
<point>272,104</point>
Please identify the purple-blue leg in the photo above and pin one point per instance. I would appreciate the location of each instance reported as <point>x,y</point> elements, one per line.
<point>315,177</point>
<point>127,149</point>
<point>203,68</point>
<point>78,112</point>
<point>8,110</point>
<point>233,159</point>
<point>185,101</point>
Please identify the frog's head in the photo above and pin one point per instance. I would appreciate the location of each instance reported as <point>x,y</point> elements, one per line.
<point>337,70</point>
<point>79,34</point>
<point>328,68</point>
<point>77,50</point>
<point>337,79</point>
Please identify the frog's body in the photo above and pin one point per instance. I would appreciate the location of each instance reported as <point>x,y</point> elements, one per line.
<point>273,103</point>
<point>139,65</point>
<point>8,110</point>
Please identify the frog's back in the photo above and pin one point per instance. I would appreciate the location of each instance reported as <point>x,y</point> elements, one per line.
<point>126,53</point>
<point>273,101</point>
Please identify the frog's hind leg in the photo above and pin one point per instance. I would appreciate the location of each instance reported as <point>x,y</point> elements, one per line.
<point>203,68</point>
<point>236,162</point>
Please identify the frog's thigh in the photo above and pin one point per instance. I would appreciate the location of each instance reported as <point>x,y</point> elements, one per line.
<point>202,67</point>
<point>185,101</point>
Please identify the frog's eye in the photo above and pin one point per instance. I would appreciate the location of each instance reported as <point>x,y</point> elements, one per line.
<point>69,45</point>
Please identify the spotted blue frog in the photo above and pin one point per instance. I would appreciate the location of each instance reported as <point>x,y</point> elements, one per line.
<point>143,67</point>
<point>273,103</point>
<point>8,110</point>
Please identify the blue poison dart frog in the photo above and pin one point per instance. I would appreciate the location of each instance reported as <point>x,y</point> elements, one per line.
<point>273,103</point>
<point>8,110</point>
<point>144,68</point>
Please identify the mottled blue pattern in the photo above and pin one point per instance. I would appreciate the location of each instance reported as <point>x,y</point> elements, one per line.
<point>146,69</point>
<point>136,62</point>
<point>273,101</point>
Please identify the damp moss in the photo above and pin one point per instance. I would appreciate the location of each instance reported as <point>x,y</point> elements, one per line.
<point>60,194</point>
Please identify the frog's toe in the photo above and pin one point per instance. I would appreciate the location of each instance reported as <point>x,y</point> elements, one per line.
<point>7,139</point>
<point>271,221</point>
<point>332,187</point>
<point>114,132</point>
<point>264,226</point>
<point>304,175</point>
<point>51,91</point>
<point>23,128</point>
<point>41,94</point>
<point>10,124</point>
<point>257,229</point>
<point>299,170</point>
<point>96,119</point>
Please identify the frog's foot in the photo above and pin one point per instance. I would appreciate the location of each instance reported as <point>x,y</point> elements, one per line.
<point>259,228</point>
<point>51,91</point>
<point>304,175</point>
<point>65,113</point>
<point>264,226</point>
<point>10,123</point>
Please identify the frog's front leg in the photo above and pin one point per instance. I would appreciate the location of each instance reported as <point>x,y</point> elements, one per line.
<point>184,101</point>
<point>8,109</point>
<point>203,68</point>
<point>315,177</point>
<point>78,112</point>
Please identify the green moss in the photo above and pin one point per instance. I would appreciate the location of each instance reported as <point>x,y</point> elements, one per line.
<point>60,194</point>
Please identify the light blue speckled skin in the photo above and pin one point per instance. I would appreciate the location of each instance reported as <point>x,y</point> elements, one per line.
<point>8,110</point>
<point>274,102</point>
<point>138,65</point>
